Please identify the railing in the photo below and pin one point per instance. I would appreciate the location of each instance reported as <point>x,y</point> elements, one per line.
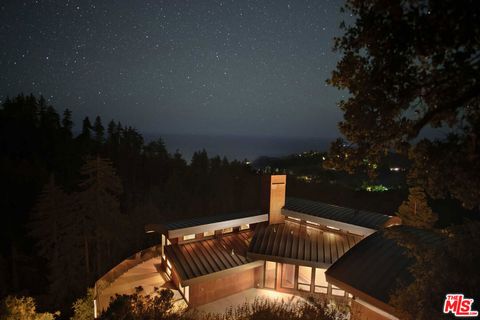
<point>108,278</point>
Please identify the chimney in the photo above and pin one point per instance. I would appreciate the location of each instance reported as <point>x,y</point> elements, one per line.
<point>273,197</point>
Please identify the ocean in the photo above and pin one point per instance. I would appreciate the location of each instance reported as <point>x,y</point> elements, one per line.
<point>239,147</point>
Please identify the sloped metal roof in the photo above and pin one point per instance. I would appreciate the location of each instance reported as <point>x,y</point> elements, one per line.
<point>377,264</point>
<point>361,218</point>
<point>298,244</point>
<point>198,221</point>
<point>200,258</point>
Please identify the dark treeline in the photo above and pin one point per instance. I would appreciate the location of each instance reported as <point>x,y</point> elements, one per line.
<point>73,206</point>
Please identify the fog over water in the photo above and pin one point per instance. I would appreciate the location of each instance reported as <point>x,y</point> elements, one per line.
<point>239,147</point>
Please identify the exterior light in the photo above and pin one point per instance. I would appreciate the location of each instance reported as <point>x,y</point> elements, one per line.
<point>333,228</point>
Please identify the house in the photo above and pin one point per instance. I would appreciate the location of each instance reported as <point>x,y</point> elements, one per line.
<point>373,269</point>
<point>286,246</point>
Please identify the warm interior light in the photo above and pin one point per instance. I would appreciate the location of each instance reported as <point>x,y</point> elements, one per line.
<point>333,228</point>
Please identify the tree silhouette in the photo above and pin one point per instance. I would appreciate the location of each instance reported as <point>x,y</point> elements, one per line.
<point>100,211</point>
<point>67,122</point>
<point>415,211</point>
<point>99,132</point>
<point>53,224</point>
<point>409,66</point>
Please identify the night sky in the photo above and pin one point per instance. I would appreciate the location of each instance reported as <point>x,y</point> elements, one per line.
<point>196,67</point>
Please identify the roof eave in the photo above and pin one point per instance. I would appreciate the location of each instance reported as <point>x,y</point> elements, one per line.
<point>360,294</point>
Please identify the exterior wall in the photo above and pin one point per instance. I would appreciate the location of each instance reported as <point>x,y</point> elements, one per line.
<point>273,196</point>
<point>361,312</point>
<point>209,291</point>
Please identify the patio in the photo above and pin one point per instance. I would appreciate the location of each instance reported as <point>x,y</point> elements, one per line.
<point>145,275</point>
<point>247,296</point>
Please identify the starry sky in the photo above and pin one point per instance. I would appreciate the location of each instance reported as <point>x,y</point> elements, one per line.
<point>183,67</point>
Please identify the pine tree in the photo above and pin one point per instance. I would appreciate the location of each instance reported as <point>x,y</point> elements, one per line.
<point>415,211</point>
<point>67,122</point>
<point>100,209</point>
<point>46,220</point>
<point>86,128</point>
<point>99,131</point>
<point>54,225</point>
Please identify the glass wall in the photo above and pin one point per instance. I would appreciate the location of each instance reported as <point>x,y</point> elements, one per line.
<point>336,291</point>
<point>288,276</point>
<point>270,274</point>
<point>301,278</point>
<point>321,284</point>
<point>304,278</point>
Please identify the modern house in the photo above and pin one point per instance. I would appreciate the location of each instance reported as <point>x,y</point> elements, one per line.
<point>380,264</point>
<point>287,246</point>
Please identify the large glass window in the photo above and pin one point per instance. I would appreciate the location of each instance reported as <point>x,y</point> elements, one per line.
<point>321,284</point>
<point>304,278</point>
<point>270,274</point>
<point>336,291</point>
<point>288,276</point>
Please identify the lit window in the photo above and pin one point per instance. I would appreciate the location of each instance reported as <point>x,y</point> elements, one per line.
<point>168,242</point>
<point>288,276</point>
<point>336,291</point>
<point>244,227</point>
<point>304,278</point>
<point>186,293</point>
<point>169,269</point>
<point>270,274</point>
<point>208,233</point>
<point>314,223</point>
<point>227,230</point>
<point>321,284</point>
<point>189,237</point>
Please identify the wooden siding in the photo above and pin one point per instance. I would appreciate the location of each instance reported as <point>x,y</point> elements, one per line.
<point>217,288</point>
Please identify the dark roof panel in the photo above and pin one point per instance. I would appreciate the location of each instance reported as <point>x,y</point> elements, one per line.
<point>200,258</point>
<point>292,242</point>
<point>198,221</point>
<point>361,218</point>
<point>376,264</point>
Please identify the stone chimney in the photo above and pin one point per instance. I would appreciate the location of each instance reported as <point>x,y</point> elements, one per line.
<point>273,196</point>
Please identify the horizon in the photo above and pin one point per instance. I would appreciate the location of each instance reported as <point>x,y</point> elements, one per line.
<point>189,68</point>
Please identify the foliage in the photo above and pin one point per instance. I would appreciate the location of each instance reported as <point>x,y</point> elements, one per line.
<point>53,225</point>
<point>449,266</point>
<point>83,307</point>
<point>100,225</point>
<point>24,308</point>
<point>415,211</point>
<point>374,188</point>
<point>409,66</point>
<point>159,306</point>
<point>264,309</point>
<point>155,306</point>
<point>98,203</point>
